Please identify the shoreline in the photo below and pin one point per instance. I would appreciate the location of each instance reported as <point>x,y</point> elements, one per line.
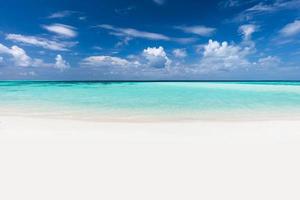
<point>127,116</point>
<point>18,125</point>
<point>142,118</point>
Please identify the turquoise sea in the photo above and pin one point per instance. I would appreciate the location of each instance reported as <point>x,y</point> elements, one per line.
<point>152,100</point>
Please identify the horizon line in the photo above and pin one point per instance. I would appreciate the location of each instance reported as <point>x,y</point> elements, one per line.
<point>258,80</point>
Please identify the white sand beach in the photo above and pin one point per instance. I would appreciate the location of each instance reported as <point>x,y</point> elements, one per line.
<point>69,159</point>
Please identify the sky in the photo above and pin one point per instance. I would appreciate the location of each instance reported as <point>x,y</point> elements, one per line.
<point>150,40</point>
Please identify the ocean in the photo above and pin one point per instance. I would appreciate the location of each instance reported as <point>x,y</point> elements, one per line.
<point>151,100</point>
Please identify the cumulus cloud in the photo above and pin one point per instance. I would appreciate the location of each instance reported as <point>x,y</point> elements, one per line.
<point>247,30</point>
<point>60,63</point>
<point>217,57</point>
<point>290,29</point>
<point>179,53</point>
<point>61,30</point>
<point>41,42</point>
<point>198,30</point>
<point>20,57</point>
<point>157,57</point>
<point>4,49</point>
<point>224,56</point>
<point>150,58</point>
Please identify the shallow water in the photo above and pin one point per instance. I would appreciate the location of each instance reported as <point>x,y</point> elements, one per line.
<point>176,100</point>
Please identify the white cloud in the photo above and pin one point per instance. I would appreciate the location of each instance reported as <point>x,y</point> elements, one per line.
<point>275,6</point>
<point>268,7</point>
<point>66,13</point>
<point>224,56</point>
<point>123,42</point>
<point>4,49</point>
<point>157,57</point>
<point>98,48</point>
<point>20,58</point>
<point>184,40</point>
<point>261,7</point>
<point>150,58</point>
<point>60,63</point>
<point>269,61</point>
<point>247,30</point>
<point>60,14</point>
<point>130,32</point>
<point>105,61</point>
<point>155,51</point>
<point>230,3</point>
<point>291,29</point>
<point>61,29</point>
<point>40,63</point>
<point>180,53</point>
<point>216,57</point>
<point>159,2</point>
<point>198,30</point>
<point>41,42</point>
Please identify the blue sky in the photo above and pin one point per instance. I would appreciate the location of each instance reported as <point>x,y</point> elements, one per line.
<point>149,39</point>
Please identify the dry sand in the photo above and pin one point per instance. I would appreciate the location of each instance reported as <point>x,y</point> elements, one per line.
<point>43,159</point>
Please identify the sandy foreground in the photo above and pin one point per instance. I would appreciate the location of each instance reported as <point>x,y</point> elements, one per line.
<point>43,159</point>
